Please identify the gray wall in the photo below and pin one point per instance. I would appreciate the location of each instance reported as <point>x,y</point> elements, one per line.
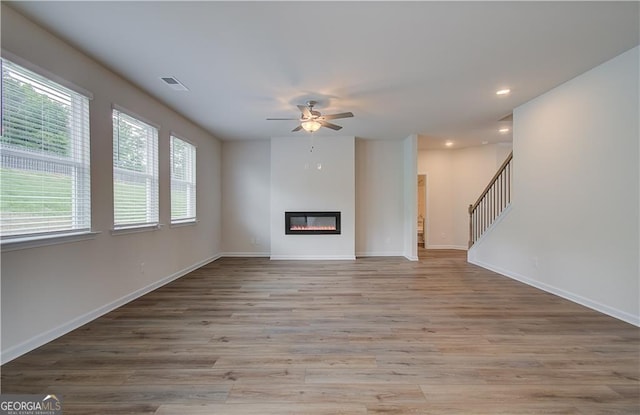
<point>47,291</point>
<point>573,226</point>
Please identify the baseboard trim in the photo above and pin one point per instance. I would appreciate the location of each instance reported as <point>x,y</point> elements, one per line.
<point>370,254</point>
<point>44,338</point>
<point>458,247</point>
<point>246,254</point>
<point>313,257</point>
<point>594,305</point>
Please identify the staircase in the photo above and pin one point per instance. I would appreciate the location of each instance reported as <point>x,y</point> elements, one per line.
<point>492,202</point>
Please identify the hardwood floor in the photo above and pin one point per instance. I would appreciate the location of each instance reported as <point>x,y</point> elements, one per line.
<point>374,336</point>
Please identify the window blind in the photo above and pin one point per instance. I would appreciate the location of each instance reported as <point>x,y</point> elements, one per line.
<point>183,181</point>
<point>135,172</point>
<point>45,185</point>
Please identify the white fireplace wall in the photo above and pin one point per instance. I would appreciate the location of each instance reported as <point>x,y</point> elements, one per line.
<point>318,180</point>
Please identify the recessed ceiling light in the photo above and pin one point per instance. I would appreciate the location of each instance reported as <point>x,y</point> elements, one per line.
<point>503,91</point>
<point>448,143</point>
<point>504,130</point>
<point>485,142</point>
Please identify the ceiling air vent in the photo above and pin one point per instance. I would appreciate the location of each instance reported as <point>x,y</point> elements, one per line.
<point>174,84</point>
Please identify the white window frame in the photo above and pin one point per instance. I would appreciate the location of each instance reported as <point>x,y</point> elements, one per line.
<point>78,162</point>
<point>149,176</point>
<point>188,183</point>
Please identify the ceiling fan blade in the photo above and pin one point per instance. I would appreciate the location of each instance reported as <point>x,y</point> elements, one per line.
<point>282,119</point>
<point>305,111</point>
<point>336,116</point>
<point>298,128</point>
<point>329,125</point>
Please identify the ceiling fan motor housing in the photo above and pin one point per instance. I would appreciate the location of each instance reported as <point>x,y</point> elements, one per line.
<point>311,120</point>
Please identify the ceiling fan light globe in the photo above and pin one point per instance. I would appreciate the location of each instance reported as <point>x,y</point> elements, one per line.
<point>311,126</point>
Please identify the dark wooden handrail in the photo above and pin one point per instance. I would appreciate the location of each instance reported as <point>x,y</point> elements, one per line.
<point>492,181</point>
<point>492,201</point>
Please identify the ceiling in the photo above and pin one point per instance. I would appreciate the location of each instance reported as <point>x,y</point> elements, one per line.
<point>430,68</point>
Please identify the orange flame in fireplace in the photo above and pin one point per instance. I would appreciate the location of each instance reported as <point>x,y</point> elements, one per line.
<point>312,228</point>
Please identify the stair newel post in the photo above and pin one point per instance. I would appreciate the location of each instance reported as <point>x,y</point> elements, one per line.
<point>470,225</point>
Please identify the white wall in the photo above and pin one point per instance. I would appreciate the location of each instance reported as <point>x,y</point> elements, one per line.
<point>455,179</point>
<point>313,174</point>
<point>410,184</point>
<point>246,228</point>
<point>437,166</point>
<point>473,169</point>
<point>573,226</point>
<point>379,198</point>
<point>47,291</point>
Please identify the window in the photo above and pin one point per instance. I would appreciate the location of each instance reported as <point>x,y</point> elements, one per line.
<point>45,161</point>
<point>183,181</point>
<point>135,172</point>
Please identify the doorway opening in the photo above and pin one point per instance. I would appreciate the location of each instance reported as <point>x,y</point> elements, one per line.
<point>422,211</point>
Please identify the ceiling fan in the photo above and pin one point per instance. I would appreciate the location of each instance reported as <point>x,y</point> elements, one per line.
<point>311,120</point>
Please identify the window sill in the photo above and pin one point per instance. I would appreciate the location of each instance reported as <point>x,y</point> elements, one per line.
<point>136,229</point>
<point>180,224</point>
<point>45,240</point>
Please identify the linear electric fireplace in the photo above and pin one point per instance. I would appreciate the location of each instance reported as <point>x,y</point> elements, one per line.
<point>312,223</point>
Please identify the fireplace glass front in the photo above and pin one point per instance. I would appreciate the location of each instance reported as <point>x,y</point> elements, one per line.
<point>310,223</point>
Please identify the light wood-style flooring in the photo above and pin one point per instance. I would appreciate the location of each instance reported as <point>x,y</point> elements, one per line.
<point>374,336</point>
